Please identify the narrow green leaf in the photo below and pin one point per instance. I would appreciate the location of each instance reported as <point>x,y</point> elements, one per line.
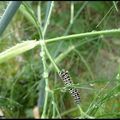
<point>17,49</point>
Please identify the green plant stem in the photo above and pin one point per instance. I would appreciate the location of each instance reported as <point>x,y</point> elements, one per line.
<point>45,76</point>
<point>91,106</point>
<point>50,7</point>
<point>87,34</point>
<point>81,111</point>
<point>8,14</point>
<point>72,12</point>
<point>53,114</point>
<point>109,11</point>
<point>70,25</point>
<point>83,114</point>
<point>69,37</point>
<point>44,51</point>
<point>51,59</point>
<point>70,49</point>
<point>67,112</point>
<point>55,108</point>
<point>75,17</point>
<point>115,5</point>
<point>39,12</point>
<point>29,14</point>
<point>49,11</point>
<point>85,62</point>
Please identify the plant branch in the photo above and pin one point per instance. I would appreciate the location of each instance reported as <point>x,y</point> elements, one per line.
<point>81,35</point>
<point>8,14</point>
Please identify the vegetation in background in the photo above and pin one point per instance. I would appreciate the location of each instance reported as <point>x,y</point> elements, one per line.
<point>45,37</point>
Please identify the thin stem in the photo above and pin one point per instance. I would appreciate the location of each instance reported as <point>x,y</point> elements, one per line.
<point>72,12</point>
<point>55,107</point>
<point>70,25</point>
<point>29,12</point>
<point>46,98</point>
<point>91,106</point>
<point>44,50</point>
<point>85,62</point>
<point>105,16</point>
<point>70,48</point>
<point>49,11</point>
<point>39,12</point>
<point>52,61</point>
<point>80,109</point>
<point>75,17</point>
<point>115,5</point>
<point>83,114</point>
<point>80,10</point>
<point>68,111</point>
<point>53,115</point>
<point>87,34</point>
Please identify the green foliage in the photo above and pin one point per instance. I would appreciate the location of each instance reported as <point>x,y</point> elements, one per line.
<point>81,37</point>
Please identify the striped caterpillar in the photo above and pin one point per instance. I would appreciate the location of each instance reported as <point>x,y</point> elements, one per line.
<point>67,81</point>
